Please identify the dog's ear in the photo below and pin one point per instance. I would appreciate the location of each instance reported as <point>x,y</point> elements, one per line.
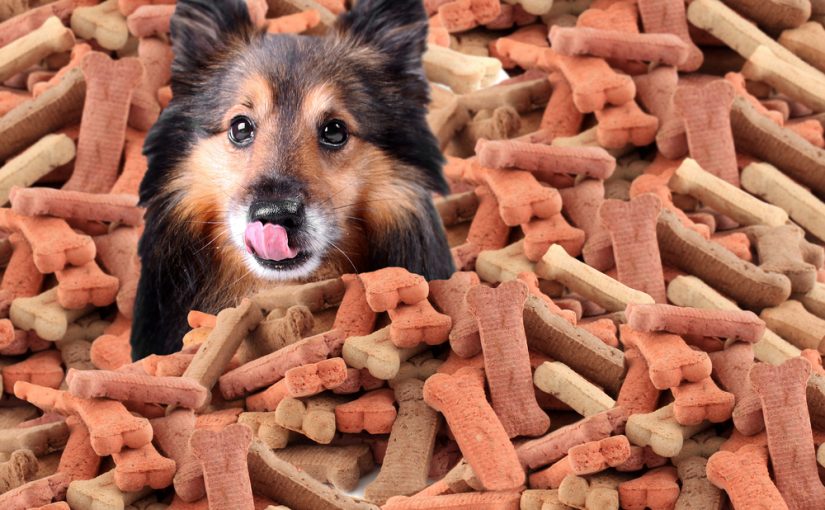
<point>203,29</point>
<point>397,28</point>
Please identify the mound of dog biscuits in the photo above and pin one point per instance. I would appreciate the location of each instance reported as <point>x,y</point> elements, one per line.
<point>637,320</point>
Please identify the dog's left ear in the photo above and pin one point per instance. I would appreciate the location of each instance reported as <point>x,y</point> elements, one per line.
<point>397,28</point>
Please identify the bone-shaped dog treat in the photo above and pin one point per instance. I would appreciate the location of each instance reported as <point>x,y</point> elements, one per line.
<point>456,208</point>
<point>21,277</point>
<point>103,23</point>
<point>148,21</point>
<point>744,476</point>
<point>135,469</point>
<point>354,316</point>
<point>487,230</point>
<point>214,354</point>
<point>341,466</point>
<point>625,124</point>
<point>792,321</point>
<point>79,205</point>
<point>596,456</point>
<point>109,87</point>
<point>277,331</point>
<point>669,358</point>
<point>540,234</point>
<point>765,181</point>
<point>78,52</point>
<point>691,179</point>
<point>42,368</point>
<point>545,160</point>
<point>637,394</point>
<point>632,228</point>
<point>814,301</point>
<point>314,378</point>
<point>655,91</point>
<point>506,361</point>
<point>696,402</point>
<point>731,367</point>
<point>562,382</point>
<point>376,353</point>
<point>156,58</point>
<point>417,324</point>
<point>462,15</point>
<point>17,470</point>
<point>590,283</point>
<point>314,418</point>
<point>117,252</point>
<point>389,287</point>
<point>561,117</point>
<point>279,480</point>
<point>764,139</point>
<point>265,428</point>
<point>171,433</point>
<point>418,367</point>
<point>667,49</point>
<point>48,153</point>
<point>479,433</point>
<point>551,334</point>
<point>373,412</point>
<point>39,439</point>
<point>795,82</point>
<point>641,457</point>
<point>110,425</point>
<point>480,500</point>
<point>780,251</point>
<point>773,14</point>
<point>670,17</point>
<point>357,380</point>
<point>539,498</point>
<point>687,250</point>
<point>680,320</point>
<point>806,41</point>
<point>410,448</point>
<point>174,391</point>
<point>448,296</point>
<point>697,491</point>
<point>521,197</point>
<point>706,113</point>
<point>531,280</point>
<point>44,315</point>
<point>223,457</point>
<point>660,431</point>
<point>102,493</point>
<point>599,491</point>
<point>657,489</point>
<point>51,37</point>
<point>782,392</point>
<point>461,72</point>
<point>582,203</point>
<point>316,296</point>
<point>79,287</point>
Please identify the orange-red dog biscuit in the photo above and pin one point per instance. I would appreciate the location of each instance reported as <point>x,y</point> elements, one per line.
<point>657,489</point>
<point>76,205</point>
<point>670,359</point>
<point>141,467</point>
<point>545,160</point>
<point>744,476</point>
<point>373,412</point>
<point>42,369</point>
<point>699,401</point>
<point>85,285</point>
<point>625,124</point>
<point>521,197</point>
<point>225,473</point>
<point>477,429</point>
<point>134,387</point>
<point>54,244</point>
<point>499,313</point>
<point>667,49</point>
<point>596,456</point>
<point>461,15</point>
<point>354,316</point>
<point>734,324</point>
<point>388,287</point>
<point>787,421</point>
<point>109,87</point>
<point>448,296</point>
<point>419,323</point>
<point>314,378</point>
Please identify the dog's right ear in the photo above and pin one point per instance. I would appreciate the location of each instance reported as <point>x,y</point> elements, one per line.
<point>202,30</point>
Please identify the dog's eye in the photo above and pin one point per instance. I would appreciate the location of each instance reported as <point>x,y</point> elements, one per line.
<point>241,131</point>
<point>333,134</point>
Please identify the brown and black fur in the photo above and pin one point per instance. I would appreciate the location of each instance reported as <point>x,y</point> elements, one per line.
<point>375,195</point>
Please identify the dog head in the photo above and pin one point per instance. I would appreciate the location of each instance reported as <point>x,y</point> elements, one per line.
<point>288,153</point>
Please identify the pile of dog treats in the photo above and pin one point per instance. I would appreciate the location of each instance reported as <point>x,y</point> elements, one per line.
<point>638,321</point>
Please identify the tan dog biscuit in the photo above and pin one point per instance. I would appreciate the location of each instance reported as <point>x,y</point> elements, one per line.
<point>52,37</point>
<point>48,153</point>
<point>559,380</point>
<point>342,466</point>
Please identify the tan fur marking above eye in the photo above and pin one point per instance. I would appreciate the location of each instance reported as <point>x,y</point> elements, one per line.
<point>322,101</point>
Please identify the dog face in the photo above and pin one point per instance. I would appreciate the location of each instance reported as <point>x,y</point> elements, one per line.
<point>287,156</point>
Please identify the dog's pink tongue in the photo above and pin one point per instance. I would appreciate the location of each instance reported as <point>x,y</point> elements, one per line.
<point>268,241</point>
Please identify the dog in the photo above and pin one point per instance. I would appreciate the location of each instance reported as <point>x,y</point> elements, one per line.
<point>285,158</point>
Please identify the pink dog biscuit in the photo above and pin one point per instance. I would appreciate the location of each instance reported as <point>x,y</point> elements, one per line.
<point>389,287</point>
<point>117,251</point>
<point>76,205</point>
<point>419,323</point>
<point>110,425</point>
<point>268,369</point>
<point>669,17</point>
<point>469,501</point>
<point>135,469</point>
<point>268,399</point>
<point>637,394</point>
<point>36,493</point>
<point>521,197</point>
<point>173,391</point>
<point>632,228</point>
<point>670,360</point>
<point>734,324</point>
<point>81,286</point>
<point>499,313</point>
<point>699,401</point>
<point>790,441</point>
<point>150,20</point>
<point>581,204</point>
<point>540,234</point>
<point>354,316</point>
<point>657,489</point>
<point>308,380</point>
<point>479,433</point>
<point>545,160</point>
<point>156,59</point>
<point>109,87</point>
<point>625,124</point>
<point>706,112</point>
<point>731,367</point>
<point>42,369</point>
<point>667,49</point>
<point>744,476</point>
<point>461,15</point>
<point>448,296</point>
<point>373,412</point>
<point>54,244</point>
<point>223,457</point>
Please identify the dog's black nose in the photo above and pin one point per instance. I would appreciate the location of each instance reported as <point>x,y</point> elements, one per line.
<point>287,213</point>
